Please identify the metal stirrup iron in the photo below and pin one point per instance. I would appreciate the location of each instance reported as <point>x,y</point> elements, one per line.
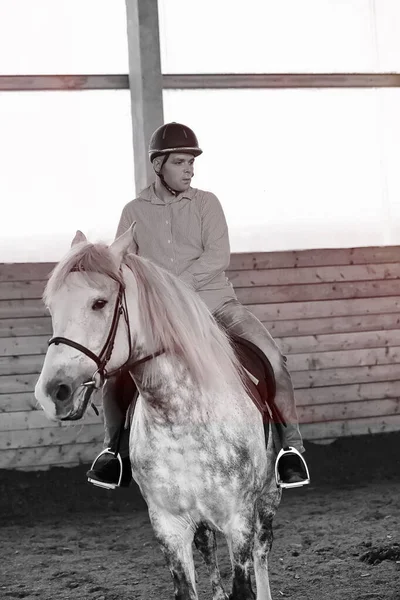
<point>291,451</point>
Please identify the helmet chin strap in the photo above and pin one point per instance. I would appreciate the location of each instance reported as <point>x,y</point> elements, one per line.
<point>162,178</point>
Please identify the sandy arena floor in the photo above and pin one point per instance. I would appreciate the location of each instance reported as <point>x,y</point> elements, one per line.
<point>61,538</point>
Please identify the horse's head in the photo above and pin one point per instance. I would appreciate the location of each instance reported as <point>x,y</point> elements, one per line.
<point>84,295</point>
<point>166,317</point>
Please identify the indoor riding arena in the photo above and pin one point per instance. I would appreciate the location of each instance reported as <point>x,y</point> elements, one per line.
<point>295,105</point>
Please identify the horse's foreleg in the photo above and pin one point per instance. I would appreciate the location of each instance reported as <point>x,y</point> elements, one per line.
<point>206,544</point>
<point>175,536</point>
<point>240,538</point>
<point>262,547</point>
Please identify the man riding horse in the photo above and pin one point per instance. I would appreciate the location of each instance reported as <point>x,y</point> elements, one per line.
<point>184,230</point>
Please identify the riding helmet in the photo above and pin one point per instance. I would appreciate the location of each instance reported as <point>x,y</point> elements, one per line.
<point>173,137</point>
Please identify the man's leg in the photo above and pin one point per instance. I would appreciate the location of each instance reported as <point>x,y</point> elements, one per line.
<point>118,393</point>
<point>239,320</point>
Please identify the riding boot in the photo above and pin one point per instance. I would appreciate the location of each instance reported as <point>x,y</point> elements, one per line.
<point>291,469</point>
<point>112,468</point>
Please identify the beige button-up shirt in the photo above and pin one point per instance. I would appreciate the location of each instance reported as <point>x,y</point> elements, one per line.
<point>187,235</point>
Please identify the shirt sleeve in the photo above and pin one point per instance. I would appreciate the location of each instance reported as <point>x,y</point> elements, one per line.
<point>126,220</point>
<point>216,254</point>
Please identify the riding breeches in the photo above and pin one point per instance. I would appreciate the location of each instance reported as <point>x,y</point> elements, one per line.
<point>239,320</point>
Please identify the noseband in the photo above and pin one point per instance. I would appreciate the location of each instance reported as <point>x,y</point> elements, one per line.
<point>101,360</point>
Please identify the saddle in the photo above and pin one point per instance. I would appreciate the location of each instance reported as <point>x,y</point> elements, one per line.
<point>259,376</point>
<point>261,386</point>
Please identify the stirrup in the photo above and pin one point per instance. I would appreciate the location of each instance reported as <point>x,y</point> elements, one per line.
<point>104,484</point>
<point>282,484</point>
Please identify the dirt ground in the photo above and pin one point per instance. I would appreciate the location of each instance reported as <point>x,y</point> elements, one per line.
<point>61,538</point>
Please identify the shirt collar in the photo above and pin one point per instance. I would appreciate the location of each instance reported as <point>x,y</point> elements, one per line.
<point>150,195</point>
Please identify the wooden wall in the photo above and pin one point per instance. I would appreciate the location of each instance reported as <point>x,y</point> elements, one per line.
<point>335,313</point>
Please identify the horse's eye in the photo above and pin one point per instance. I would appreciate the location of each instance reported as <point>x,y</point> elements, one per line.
<point>99,304</point>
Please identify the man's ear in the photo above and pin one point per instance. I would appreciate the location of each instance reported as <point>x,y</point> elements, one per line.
<point>157,163</point>
<point>121,245</point>
<point>79,238</point>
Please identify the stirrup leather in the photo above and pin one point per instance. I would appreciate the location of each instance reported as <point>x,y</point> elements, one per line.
<point>104,484</point>
<point>279,482</point>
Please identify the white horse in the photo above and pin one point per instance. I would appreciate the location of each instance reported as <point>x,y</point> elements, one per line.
<point>197,444</point>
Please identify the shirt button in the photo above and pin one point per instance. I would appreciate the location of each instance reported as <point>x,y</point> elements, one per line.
<point>169,241</point>
<point>172,260</point>
<point>167,222</point>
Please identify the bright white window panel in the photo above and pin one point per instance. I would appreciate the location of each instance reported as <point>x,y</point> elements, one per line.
<point>390,140</point>
<point>273,36</point>
<point>66,164</point>
<point>388,34</point>
<point>298,169</point>
<point>39,37</point>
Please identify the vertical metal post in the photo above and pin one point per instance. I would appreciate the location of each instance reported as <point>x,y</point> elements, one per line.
<point>145,82</point>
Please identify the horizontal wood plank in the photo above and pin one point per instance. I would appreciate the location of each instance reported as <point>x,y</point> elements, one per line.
<point>25,327</point>
<point>309,275</point>
<point>314,258</point>
<point>333,325</point>
<point>51,83</point>
<point>318,291</point>
<point>11,384</point>
<point>347,393</point>
<point>50,436</point>
<point>343,376</point>
<point>25,401</point>
<point>10,309</point>
<point>64,465</point>
<point>339,341</point>
<point>344,358</point>
<point>337,429</point>
<point>17,365</point>
<point>348,410</point>
<point>47,467</point>
<point>15,346</point>
<point>44,456</point>
<point>328,308</point>
<point>25,271</point>
<point>18,290</point>
<point>36,419</point>
<point>22,401</point>
<point>216,81</point>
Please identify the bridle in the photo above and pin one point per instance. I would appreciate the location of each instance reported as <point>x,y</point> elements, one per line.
<point>101,374</point>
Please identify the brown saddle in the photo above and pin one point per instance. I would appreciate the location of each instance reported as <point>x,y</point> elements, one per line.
<point>263,390</point>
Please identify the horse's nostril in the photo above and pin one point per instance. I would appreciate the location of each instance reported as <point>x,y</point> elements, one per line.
<point>63,392</point>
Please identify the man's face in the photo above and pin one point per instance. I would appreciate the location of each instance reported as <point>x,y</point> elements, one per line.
<point>178,170</point>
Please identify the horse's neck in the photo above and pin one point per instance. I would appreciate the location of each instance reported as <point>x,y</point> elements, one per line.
<point>169,393</point>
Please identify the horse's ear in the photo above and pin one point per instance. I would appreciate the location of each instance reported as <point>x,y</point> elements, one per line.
<point>121,245</point>
<point>79,238</point>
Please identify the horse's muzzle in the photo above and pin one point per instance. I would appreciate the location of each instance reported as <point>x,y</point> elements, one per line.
<point>77,412</point>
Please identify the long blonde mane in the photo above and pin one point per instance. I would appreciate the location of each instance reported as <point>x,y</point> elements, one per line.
<point>172,316</point>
